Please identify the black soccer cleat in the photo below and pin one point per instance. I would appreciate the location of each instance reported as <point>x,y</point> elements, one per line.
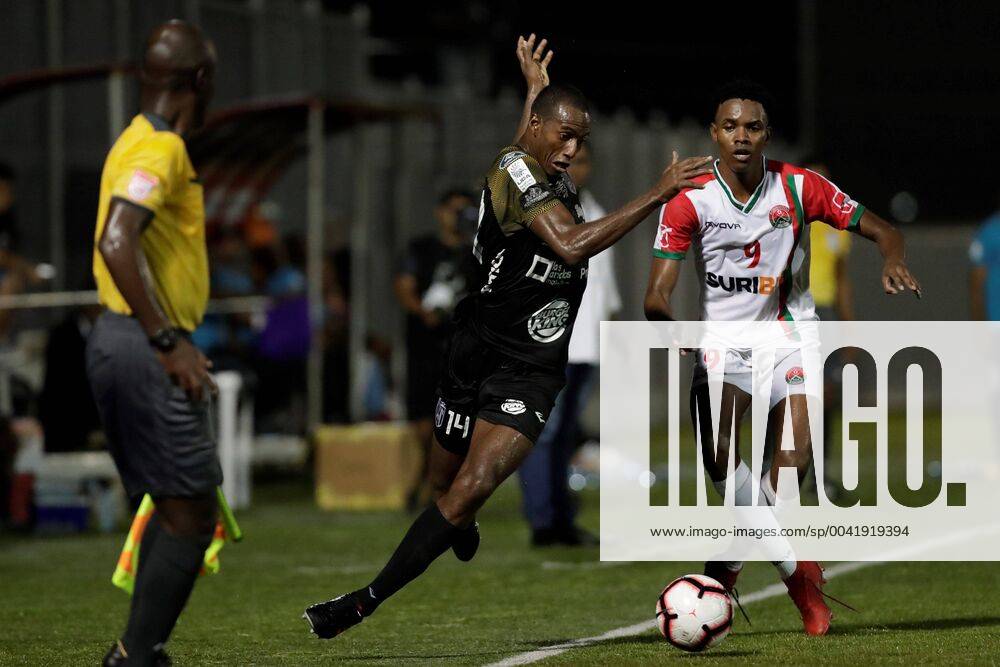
<point>329,619</point>
<point>466,543</point>
<point>117,657</point>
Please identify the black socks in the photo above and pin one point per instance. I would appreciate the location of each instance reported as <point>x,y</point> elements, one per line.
<point>429,537</point>
<point>168,567</point>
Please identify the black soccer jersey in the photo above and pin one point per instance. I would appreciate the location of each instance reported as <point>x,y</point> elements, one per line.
<point>528,298</point>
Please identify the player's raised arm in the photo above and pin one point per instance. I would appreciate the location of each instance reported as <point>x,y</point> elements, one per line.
<point>574,243</point>
<point>896,276</point>
<point>534,62</point>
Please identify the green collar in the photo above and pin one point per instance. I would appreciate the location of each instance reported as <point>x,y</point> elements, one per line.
<point>742,208</point>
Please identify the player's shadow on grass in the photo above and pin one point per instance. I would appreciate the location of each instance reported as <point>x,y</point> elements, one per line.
<point>655,638</point>
<point>921,625</point>
<point>904,626</point>
<point>420,657</point>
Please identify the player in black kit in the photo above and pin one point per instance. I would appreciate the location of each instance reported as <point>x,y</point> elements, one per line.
<point>506,360</point>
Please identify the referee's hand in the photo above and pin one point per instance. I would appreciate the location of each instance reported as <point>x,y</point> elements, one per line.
<point>188,368</point>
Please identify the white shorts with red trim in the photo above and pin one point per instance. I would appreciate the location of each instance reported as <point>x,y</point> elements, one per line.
<point>787,378</point>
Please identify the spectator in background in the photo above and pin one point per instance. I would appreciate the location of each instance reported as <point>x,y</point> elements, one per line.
<point>260,229</point>
<point>435,274</point>
<point>547,503</point>
<point>336,352</point>
<point>225,338</point>
<point>16,273</point>
<point>984,277</point>
<point>283,344</point>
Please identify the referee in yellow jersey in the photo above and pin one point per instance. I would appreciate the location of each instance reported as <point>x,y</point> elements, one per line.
<point>150,383</point>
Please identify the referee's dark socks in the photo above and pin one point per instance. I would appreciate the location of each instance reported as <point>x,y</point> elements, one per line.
<point>429,537</point>
<point>168,568</point>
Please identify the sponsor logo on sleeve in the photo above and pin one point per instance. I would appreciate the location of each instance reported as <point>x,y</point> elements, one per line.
<point>795,375</point>
<point>535,194</point>
<point>141,185</point>
<point>843,203</point>
<point>512,406</point>
<point>663,236</point>
<point>520,174</point>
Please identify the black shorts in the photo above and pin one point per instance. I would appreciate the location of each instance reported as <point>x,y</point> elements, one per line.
<point>479,382</point>
<point>162,442</point>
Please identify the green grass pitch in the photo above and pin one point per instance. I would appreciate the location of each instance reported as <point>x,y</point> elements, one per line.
<point>59,607</point>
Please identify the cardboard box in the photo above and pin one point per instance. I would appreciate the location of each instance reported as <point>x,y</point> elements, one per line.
<point>366,466</point>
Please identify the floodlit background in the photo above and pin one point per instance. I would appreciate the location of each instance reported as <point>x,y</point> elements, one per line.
<point>335,129</point>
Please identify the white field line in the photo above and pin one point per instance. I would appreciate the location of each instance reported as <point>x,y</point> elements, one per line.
<point>765,593</point>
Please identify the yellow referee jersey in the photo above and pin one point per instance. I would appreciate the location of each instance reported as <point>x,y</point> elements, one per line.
<point>827,245</point>
<point>149,166</point>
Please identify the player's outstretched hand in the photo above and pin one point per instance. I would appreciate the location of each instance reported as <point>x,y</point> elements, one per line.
<point>534,61</point>
<point>680,175</point>
<point>188,369</point>
<point>896,277</point>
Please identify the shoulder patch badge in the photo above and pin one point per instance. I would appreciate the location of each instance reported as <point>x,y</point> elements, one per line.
<point>141,185</point>
<point>521,175</point>
<point>510,157</point>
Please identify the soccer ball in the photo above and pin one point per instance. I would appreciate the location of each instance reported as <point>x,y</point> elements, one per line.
<point>694,612</point>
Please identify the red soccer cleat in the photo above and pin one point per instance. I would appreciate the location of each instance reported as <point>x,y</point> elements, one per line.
<point>805,587</point>
<point>718,571</point>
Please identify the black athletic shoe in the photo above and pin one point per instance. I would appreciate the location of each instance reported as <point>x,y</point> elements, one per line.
<point>115,657</point>
<point>329,619</point>
<point>466,543</point>
<point>543,537</point>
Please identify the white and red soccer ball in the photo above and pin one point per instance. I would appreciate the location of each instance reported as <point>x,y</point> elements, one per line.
<point>694,612</point>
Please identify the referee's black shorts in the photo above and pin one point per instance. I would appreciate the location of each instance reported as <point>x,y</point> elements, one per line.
<point>479,382</point>
<point>162,442</point>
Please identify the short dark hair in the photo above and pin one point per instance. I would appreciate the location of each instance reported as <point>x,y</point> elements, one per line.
<point>552,96</point>
<point>7,173</point>
<point>744,89</point>
<point>451,193</point>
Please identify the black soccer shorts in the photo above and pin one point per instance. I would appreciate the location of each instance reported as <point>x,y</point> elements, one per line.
<point>162,442</point>
<point>479,382</point>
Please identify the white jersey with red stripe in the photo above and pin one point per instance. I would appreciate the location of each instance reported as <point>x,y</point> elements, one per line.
<point>753,259</point>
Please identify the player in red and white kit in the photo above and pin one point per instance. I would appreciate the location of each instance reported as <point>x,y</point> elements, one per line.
<point>745,229</point>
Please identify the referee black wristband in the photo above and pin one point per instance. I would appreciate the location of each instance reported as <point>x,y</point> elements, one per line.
<point>164,340</point>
